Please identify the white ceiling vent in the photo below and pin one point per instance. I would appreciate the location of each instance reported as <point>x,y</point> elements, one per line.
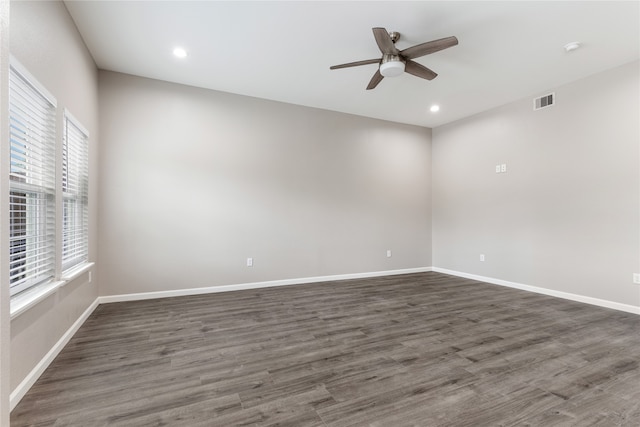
<point>544,101</point>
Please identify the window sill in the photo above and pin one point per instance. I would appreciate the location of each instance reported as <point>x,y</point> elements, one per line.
<point>27,299</point>
<point>76,271</point>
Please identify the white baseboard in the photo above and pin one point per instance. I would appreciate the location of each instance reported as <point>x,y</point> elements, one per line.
<point>255,285</point>
<point>18,393</point>
<point>32,377</point>
<point>565,295</point>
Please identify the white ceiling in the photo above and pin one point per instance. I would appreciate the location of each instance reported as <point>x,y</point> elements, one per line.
<point>282,50</point>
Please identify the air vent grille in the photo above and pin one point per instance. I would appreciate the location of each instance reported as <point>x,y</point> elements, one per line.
<point>544,101</point>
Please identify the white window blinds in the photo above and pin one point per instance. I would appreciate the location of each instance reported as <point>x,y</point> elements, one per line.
<point>31,183</point>
<point>75,191</point>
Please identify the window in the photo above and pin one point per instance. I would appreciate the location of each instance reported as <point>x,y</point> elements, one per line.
<point>32,115</point>
<point>42,204</point>
<point>75,183</point>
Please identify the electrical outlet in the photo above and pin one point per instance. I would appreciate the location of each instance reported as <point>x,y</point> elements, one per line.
<point>503,167</point>
<point>388,253</point>
<point>482,257</point>
<point>636,278</point>
<point>249,262</point>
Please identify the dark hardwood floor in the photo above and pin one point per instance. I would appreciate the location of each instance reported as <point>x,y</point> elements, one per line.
<point>413,350</point>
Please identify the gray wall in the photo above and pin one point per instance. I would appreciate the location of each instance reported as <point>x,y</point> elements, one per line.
<point>5,319</point>
<point>45,41</point>
<point>194,181</point>
<point>566,215</point>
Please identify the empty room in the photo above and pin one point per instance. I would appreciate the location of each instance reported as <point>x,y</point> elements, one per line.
<point>367,213</point>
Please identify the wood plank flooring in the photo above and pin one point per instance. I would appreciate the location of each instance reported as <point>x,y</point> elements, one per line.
<point>413,350</point>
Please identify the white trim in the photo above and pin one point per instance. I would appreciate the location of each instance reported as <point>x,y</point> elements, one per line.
<point>35,373</point>
<point>77,270</point>
<point>30,78</point>
<point>25,300</point>
<point>67,115</point>
<point>559,294</point>
<point>18,393</point>
<point>255,285</point>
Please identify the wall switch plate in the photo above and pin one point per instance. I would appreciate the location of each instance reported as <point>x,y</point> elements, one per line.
<point>249,262</point>
<point>498,168</point>
<point>388,253</point>
<point>482,257</point>
<point>503,167</point>
<point>636,278</point>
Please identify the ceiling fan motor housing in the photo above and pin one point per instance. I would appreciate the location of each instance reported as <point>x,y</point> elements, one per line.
<point>392,65</point>
<point>395,62</point>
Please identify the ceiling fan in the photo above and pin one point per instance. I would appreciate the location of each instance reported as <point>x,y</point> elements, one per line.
<point>394,62</point>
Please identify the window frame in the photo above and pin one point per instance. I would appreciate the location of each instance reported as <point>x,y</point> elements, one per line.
<point>74,182</point>
<point>32,183</point>
<point>39,210</point>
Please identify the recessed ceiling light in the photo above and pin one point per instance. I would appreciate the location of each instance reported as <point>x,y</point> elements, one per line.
<point>180,52</point>
<point>571,46</point>
<point>434,108</point>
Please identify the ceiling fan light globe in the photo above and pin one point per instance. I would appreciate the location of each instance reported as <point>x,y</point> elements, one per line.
<point>392,68</point>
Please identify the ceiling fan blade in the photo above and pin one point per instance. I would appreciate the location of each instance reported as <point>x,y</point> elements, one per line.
<point>419,70</point>
<point>423,49</point>
<point>355,64</point>
<point>384,41</point>
<point>377,78</point>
